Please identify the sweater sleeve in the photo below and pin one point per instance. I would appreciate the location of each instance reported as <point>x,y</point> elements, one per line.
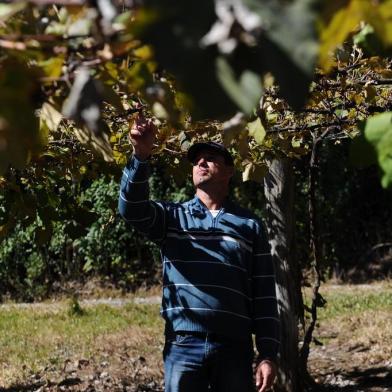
<point>134,204</point>
<point>266,317</point>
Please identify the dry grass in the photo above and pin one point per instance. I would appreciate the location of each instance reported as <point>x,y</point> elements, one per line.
<point>355,328</point>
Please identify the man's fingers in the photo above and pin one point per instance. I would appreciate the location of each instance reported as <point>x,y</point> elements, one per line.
<point>258,379</point>
<point>136,132</point>
<point>265,386</point>
<point>265,376</point>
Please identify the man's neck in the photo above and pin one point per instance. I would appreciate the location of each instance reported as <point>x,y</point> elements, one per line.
<point>213,201</point>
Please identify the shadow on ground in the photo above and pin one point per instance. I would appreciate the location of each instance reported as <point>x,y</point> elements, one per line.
<point>375,379</point>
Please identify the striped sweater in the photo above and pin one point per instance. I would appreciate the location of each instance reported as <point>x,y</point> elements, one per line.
<point>218,274</point>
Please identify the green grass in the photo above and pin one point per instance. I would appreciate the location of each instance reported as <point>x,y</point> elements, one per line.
<point>339,304</point>
<point>31,339</point>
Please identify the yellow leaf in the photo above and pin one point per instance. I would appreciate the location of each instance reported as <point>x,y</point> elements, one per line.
<point>358,99</point>
<point>254,172</point>
<point>386,15</point>
<point>344,22</point>
<point>386,73</point>
<point>243,145</point>
<point>120,158</point>
<point>370,93</point>
<point>144,52</point>
<point>52,67</point>
<point>233,128</point>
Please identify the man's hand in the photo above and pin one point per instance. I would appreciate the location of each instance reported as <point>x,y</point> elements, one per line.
<point>265,375</point>
<point>142,136</point>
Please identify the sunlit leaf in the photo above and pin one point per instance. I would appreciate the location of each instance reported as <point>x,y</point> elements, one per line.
<point>345,21</point>
<point>8,10</point>
<point>253,172</point>
<point>145,52</point>
<point>52,67</point>
<point>80,27</point>
<point>233,128</point>
<point>50,116</point>
<point>257,130</point>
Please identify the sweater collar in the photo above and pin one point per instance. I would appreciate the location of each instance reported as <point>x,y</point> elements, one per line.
<point>197,207</point>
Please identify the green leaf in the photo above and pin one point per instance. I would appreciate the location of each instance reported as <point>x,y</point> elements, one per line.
<point>245,90</point>
<point>257,130</point>
<point>378,132</point>
<point>8,10</point>
<point>289,45</point>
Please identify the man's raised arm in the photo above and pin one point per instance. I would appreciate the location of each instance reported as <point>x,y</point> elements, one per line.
<point>134,205</point>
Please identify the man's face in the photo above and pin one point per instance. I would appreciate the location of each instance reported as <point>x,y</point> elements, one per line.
<point>210,168</point>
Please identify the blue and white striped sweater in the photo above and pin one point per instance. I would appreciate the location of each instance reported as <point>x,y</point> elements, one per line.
<point>218,274</point>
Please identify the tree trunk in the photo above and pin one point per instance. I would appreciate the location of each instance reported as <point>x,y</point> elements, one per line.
<point>279,192</point>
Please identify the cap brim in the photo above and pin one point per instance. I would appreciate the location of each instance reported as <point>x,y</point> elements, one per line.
<point>197,147</point>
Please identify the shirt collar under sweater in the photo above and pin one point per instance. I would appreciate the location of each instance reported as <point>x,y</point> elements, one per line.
<point>197,207</point>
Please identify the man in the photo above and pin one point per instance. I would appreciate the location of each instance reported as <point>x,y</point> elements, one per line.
<point>218,277</point>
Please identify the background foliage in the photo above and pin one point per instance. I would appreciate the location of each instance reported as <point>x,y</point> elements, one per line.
<point>267,78</point>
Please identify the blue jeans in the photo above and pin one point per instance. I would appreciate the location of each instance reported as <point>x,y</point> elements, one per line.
<point>196,363</point>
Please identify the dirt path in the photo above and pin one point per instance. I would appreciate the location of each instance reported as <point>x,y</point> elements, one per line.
<point>344,368</point>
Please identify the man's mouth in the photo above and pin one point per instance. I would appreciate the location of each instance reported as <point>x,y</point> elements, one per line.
<point>202,172</point>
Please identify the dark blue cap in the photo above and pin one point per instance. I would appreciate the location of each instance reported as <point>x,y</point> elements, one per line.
<point>212,146</point>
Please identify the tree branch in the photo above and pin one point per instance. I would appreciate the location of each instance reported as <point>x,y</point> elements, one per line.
<point>314,246</point>
<point>334,125</point>
<point>59,2</point>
